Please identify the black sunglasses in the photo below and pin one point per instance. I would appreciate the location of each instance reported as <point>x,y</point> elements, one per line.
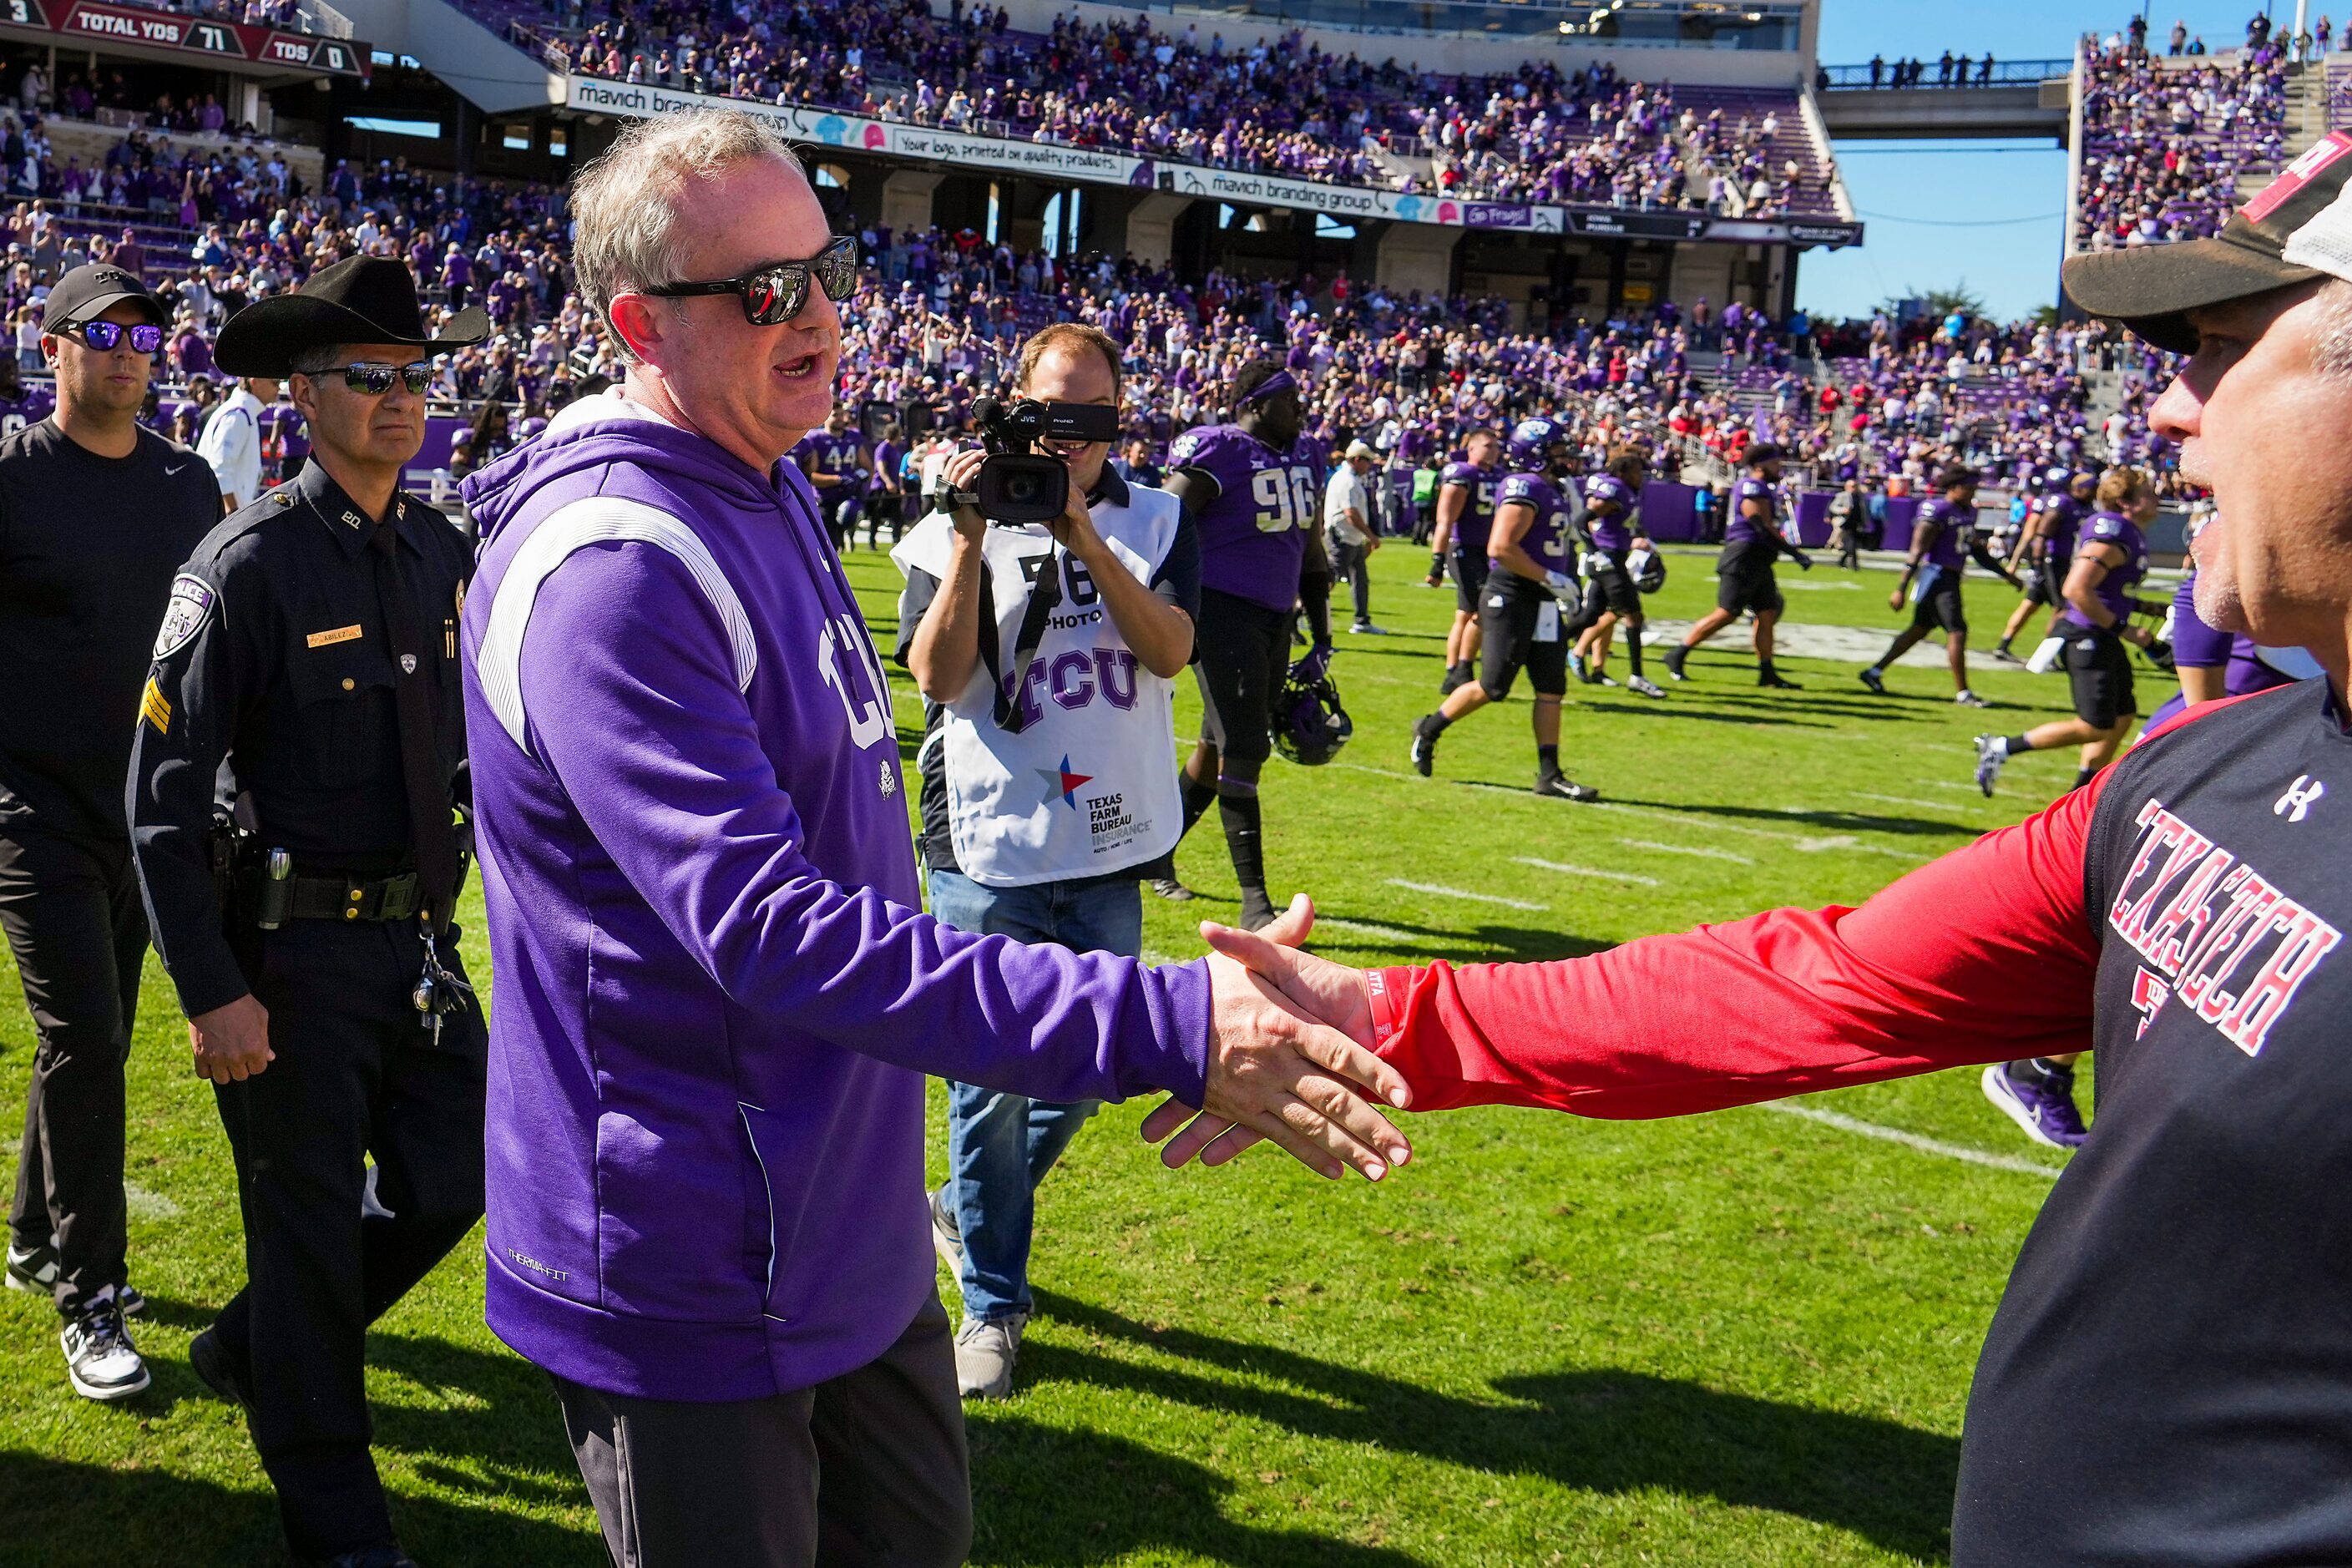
<point>146,337</point>
<point>777,291</point>
<point>375,380</point>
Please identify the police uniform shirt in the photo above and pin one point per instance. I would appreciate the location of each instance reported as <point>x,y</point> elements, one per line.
<point>273,654</point>
<point>88,546</point>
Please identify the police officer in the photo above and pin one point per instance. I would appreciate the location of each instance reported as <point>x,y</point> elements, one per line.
<point>310,642</point>
<point>95,515</point>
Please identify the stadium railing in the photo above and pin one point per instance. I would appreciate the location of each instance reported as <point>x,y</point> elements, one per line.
<point>2005,73</point>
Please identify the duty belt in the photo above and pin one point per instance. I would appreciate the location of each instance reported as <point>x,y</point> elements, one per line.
<point>332,898</point>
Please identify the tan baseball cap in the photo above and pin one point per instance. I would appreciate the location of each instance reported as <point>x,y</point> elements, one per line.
<point>2298,228</point>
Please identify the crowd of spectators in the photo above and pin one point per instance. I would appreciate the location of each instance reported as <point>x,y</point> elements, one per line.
<point>2164,144</point>
<point>1284,105</point>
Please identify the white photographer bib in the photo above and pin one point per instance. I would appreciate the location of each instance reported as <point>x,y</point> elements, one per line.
<point>1087,786</point>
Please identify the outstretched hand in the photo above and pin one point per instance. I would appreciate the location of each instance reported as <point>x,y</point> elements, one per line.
<point>1320,1118</point>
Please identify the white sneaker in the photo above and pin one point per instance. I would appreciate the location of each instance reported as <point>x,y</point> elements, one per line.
<point>100,1361</point>
<point>1644,686</point>
<point>986,1348</point>
<point>947,1236</point>
<point>1971,699</point>
<point>1366,629</point>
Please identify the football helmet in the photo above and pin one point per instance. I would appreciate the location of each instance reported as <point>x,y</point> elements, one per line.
<point>1529,450</point>
<point>1310,725</point>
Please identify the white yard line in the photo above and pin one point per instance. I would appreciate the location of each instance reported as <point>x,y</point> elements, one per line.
<point>1914,1141</point>
<point>1584,871</point>
<point>1366,928</point>
<point>1687,849</point>
<point>1463,893</point>
<point>141,1203</point>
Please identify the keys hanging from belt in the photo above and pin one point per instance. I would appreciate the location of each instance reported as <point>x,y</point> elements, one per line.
<point>438,991</point>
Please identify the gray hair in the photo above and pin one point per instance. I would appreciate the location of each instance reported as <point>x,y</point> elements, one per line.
<point>317,360</point>
<point>625,204</point>
<point>2331,350</point>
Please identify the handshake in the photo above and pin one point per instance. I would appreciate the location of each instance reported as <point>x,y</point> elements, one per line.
<point>1290,1059</point>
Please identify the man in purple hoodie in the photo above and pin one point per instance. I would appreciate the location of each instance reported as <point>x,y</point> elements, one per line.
<point>716,995</point>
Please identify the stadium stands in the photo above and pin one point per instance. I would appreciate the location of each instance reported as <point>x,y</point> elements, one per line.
<point>2167,141</point>
<point>1289,108</point>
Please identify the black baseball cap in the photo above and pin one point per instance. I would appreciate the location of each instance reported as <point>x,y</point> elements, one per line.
<point>92,288</point>
<point>2298,228</point>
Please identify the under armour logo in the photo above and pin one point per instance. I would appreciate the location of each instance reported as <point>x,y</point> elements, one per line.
<point>2299,798</point>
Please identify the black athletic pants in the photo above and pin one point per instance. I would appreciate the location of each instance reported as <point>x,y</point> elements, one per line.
<point>355,1074</point>
<point>866,1470</point>
<point>70,906</point>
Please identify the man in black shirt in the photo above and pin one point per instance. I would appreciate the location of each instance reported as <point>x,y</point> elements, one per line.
<point>95,515</point>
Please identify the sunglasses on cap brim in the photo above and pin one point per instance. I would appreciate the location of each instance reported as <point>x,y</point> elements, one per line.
<point>776,291</point>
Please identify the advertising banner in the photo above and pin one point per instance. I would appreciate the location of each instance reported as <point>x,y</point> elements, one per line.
<point>1242,187</point>
<point>1050,160</point>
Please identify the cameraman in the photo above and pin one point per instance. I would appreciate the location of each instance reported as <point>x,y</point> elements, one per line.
<point>1048,777</point>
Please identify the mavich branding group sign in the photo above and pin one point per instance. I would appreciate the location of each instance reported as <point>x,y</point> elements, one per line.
<point>1052,160</point>
<point>1243,187</point>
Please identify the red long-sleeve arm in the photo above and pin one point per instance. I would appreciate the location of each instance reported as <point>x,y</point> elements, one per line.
<point>1984,956</point>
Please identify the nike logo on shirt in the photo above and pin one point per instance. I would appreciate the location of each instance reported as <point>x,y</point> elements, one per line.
<point>170,468</point>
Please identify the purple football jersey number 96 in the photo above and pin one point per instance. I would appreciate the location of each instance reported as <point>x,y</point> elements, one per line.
<point>1284,498</point>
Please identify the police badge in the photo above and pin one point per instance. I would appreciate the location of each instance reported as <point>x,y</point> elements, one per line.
<point>184,615</point>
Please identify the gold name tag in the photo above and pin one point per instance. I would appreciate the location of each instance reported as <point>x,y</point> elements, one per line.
<point>324,639</point>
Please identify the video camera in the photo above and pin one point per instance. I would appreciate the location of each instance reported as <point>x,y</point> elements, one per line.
<point>1016,485</point>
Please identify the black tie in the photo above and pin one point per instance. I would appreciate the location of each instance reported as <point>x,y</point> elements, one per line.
<point>429,819</point>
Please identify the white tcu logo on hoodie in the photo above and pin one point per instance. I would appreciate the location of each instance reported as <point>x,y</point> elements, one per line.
<point>869,716</point>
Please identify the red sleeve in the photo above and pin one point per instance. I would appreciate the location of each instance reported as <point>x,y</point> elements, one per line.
<point>1985,955</point>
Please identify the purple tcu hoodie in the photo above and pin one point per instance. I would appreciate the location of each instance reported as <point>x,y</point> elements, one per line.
<point>716,996</point>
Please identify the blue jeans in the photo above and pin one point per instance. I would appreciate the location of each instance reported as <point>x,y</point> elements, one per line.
<point>1001,1145</point>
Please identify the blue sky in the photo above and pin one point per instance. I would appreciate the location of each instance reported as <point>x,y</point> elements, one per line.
<point>1990,215</point>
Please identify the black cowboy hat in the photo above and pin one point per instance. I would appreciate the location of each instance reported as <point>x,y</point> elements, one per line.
<point>363,299</point>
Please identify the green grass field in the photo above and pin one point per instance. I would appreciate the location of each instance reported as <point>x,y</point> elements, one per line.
<point>1738,1339</point>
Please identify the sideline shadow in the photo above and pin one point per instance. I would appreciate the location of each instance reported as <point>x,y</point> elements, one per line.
<point>1052,1496</point>
<point>1665,711</point>
<point>506,1427</point>
<point>1600,1429</point>
<point>1521,942</point>
<point>1838,821</point>
<point>62,1514</point>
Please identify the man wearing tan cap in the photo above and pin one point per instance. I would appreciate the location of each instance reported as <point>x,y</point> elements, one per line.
<point>2166,1378</point>
<point>1346,525</point>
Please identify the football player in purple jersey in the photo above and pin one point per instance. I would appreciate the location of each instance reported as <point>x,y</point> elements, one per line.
<point>1743,573</point>
<point>1612,593</point>
<point>1520,609</point>
<point>1466,516</point>
<point>1256,497</point>
<point>2110,558</point>
<point>2047,546</point>
<point>1943,540</point>
<point>833,459</point>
